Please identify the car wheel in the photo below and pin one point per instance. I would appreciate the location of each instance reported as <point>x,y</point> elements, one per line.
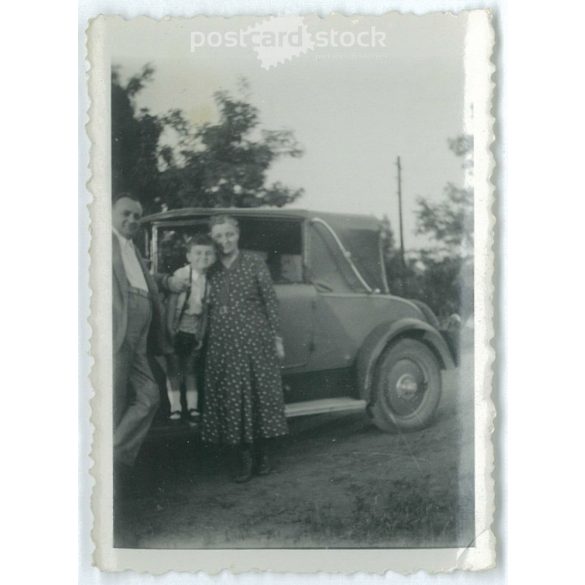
<point>407,387</point>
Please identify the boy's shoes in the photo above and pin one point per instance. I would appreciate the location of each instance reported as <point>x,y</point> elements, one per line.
<point>176,416</point>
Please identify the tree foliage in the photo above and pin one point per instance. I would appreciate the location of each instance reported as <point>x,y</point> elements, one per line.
<point>441,274</point>
<point>224,164</point>
<point>449,222</point>
<point>135,140</point>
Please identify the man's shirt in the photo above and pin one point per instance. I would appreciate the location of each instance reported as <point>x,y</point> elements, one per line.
<point>132,266</point>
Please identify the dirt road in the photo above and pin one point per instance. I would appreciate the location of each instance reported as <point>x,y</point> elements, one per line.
<point>338,482</point>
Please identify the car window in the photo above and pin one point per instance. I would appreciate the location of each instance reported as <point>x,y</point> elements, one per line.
<point>329,270</point>
<point>278,243</point>
<point>172,246</point>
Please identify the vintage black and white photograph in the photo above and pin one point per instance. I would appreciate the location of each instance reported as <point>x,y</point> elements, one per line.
<point>291,277</point>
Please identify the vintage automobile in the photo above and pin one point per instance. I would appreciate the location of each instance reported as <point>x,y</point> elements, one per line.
<point>350,344</point>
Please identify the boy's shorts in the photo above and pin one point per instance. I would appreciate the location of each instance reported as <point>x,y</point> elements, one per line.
<point>185,344</point>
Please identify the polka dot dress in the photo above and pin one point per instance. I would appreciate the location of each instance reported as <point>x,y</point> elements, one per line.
<point>243,386</point>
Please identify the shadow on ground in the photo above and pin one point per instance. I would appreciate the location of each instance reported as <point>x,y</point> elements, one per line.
<point>337,482</point>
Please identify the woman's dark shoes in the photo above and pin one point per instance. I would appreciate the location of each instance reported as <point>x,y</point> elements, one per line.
<point>245,465</point>
<point>263,464</point>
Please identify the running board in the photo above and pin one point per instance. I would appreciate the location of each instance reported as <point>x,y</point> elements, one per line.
<point>323,406</point>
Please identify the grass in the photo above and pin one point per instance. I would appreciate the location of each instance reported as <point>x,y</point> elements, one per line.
<point>409,512</point>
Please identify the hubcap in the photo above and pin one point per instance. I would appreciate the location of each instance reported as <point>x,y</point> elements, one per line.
<point>406,387</point>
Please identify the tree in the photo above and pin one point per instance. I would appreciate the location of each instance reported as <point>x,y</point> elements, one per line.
<point>442,275</point>
<point>396,273</point>
<point>226,164</point>
<point>449,223</point>
<point>212,165</point>
<point>135,140</point>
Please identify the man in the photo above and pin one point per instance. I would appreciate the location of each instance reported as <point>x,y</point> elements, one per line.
<point>137,324</point>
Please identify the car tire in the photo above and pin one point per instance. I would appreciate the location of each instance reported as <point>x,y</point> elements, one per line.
<point>407,387</point>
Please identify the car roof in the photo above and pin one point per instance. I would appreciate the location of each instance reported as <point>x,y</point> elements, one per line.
<point>357,221</point>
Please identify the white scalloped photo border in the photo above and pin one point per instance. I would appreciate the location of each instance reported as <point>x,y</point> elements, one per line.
<point>479,92</point>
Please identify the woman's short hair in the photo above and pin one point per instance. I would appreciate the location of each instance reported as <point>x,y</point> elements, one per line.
<point>221,219</point>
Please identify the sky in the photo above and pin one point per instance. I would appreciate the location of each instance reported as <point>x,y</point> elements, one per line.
<point>353,109</point>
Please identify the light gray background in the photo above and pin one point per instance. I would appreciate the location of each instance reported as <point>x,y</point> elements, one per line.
<point>540,208</point>
<point>353,110</point>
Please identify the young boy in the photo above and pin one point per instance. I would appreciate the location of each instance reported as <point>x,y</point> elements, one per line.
<point>186,317</point>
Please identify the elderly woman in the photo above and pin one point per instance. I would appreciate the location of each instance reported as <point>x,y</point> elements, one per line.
<point>243,388</point>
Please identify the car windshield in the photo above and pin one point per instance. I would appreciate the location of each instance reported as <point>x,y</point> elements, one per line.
<point>361,242</point>
<point>329,270</point>
<point>364,248</point>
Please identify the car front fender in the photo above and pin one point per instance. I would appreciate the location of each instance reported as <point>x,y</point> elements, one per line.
<point>387,333</point>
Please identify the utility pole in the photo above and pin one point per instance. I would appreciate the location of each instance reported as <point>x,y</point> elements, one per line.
<point>402,260</point>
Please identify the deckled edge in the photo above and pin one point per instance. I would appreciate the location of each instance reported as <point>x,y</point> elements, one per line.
<point>481,121</point>
<point>109,559</point>
<point>100,275</point>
